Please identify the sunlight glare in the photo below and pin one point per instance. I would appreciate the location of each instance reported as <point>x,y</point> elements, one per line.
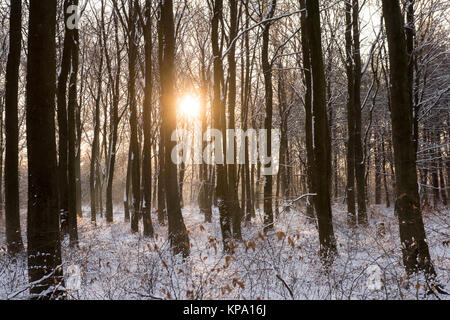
<point>189,106</point>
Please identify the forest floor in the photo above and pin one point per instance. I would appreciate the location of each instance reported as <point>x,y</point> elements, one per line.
<point>114,264</point>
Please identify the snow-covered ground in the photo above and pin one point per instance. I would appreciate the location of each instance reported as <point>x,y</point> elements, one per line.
<point>114,264</point>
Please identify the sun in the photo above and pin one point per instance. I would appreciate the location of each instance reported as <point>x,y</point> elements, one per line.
<point>189,106</point>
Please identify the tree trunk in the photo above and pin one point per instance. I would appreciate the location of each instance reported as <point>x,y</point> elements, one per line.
<point>94,172</point>
<point>308,112</point>
<point>232,168</point>
<point>222,195</point>
<point>267,71</point>
<point>162,208</point>
<point>114,116</point>
<point>155,175</point>
<point>78,133</point>
<point>147,114</point>
<point>415,251</point>
<point>386,188</point>
<point>12,206</point>
<point>442,182</point>
<point>44,247</point>
<point>247,172</point>
<point>378,164</point>
<point>205,192</point>
<point>321,135</point>
<point>134,142</point>
<point>410,35</point>
<point>350,194</point>
<point>72,135</point>
<point>359,153</point>
<point>434,167</point>
<point>63,164</point>
<point>126,193</point>
<point>439,168</point>
<point>178,235</point>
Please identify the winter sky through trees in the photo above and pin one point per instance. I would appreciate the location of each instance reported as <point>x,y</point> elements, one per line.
<point>224,149</point>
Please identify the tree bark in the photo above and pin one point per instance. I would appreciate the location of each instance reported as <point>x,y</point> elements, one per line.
<point>44,247</point>
<point>321,135</point>
<point>162,208</point>
<point>350,194</point>
<point>206,190</point>
<point>72,136</point>
<point>232,169</point>
<point>248,168</point>
<point>308,111</point>
<point>178,235</point>
<point>12,206</point>
<point>113,116</point>
<point>267,71</point>
<point>94,172</point>
<point>147,114</point>
<point>63,148</point>
<point>386,188</point>
<point>415,250</point>
<point>359,153</point>
<point>219,123</point>
<point>410,35</point>
<point>126,193</point>
<point>134,142</point>
<point>378,164</point>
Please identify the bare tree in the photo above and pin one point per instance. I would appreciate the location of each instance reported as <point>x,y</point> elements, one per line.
<point>178,235</point>
<point>12,206</point>
<point>147,114</point>
<point>73,148</point>
<point>267,70</point>
<point>232,169</point>
<point>415,251</point>
<point>322,145</point>
<point>219,122</point>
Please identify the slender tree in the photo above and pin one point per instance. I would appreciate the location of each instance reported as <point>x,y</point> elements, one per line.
<point>162,208</point>
<point>267,71</point>
<point>219,123</point>
<point>178,235</point>
<point>307,79</point>
<point>95,152</point>
<point>13,232</point>
<point>232,168</point>
<point>126,192</point>
<point>359,151</point>
<point>72,107</point>
<point>114,79</point>
<point>322,150</point>
<point>206,190</point>
<point>134,141</point>
<point>247,73</point>
<point>147,114</point>
<point>63,164</point>
<point>351,205</point>
<point>377,173</point>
